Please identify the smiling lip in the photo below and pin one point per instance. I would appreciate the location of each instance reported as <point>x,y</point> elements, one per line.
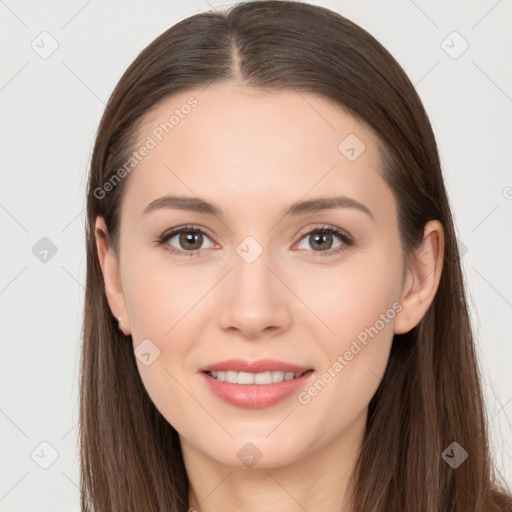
<point>260,366</point>
<point>255,396</point>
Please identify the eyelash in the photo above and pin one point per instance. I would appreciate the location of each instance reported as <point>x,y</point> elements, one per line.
<point>344,237</point>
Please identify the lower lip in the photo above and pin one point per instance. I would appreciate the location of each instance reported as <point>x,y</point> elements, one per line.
<point>255,396</point>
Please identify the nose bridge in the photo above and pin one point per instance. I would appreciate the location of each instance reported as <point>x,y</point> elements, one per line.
<point>254,301</point>
<point>251,275</point>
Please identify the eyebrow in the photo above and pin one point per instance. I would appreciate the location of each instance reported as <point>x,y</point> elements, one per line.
<point>196,204</point>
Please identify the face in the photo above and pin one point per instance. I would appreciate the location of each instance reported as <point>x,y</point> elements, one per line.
<point>317,288</point>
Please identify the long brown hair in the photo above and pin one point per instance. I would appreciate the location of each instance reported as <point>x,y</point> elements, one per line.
<point>430,395</point>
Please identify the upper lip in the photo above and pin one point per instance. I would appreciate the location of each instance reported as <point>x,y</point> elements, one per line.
<point>259,366</point>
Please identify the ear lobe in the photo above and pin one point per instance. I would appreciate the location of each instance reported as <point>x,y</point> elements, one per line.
<point>422,278</point>
<point>109,263</point>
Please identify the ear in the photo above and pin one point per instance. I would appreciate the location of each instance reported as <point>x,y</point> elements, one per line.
<point>422,277</point>
<point>109,263</point>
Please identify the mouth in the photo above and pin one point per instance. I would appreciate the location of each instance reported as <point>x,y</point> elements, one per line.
<point>269,382</point>
<point>248,378</point>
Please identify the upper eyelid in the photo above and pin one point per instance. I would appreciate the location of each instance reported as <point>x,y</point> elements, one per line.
<point>176,231</point>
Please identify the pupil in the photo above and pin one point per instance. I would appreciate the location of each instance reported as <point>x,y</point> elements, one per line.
<point>188,238</point>
<point>322,238</point>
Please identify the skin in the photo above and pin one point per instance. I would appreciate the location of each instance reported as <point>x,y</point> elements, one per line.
<point>255,152</point>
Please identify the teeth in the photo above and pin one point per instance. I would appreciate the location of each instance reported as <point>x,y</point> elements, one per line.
<point>253,378</point>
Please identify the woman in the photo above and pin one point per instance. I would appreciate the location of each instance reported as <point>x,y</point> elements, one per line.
<point>303,358</point>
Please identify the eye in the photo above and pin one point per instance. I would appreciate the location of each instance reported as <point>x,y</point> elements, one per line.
<point>320,240</point>
<point>188,238</point>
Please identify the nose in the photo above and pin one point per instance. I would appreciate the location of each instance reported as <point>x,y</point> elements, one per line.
<point>255,303</point>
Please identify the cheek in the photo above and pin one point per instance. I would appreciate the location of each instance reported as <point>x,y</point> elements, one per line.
<point>354,296</point>
<point>160,301</point>
<point>354,357</point>
<point>357,305</point>
<point>159,295</point>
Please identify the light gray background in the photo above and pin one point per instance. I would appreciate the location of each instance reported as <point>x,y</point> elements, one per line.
<point>51,108</point>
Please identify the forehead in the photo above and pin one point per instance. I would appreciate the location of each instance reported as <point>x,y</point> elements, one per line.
<point>242,144</point>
